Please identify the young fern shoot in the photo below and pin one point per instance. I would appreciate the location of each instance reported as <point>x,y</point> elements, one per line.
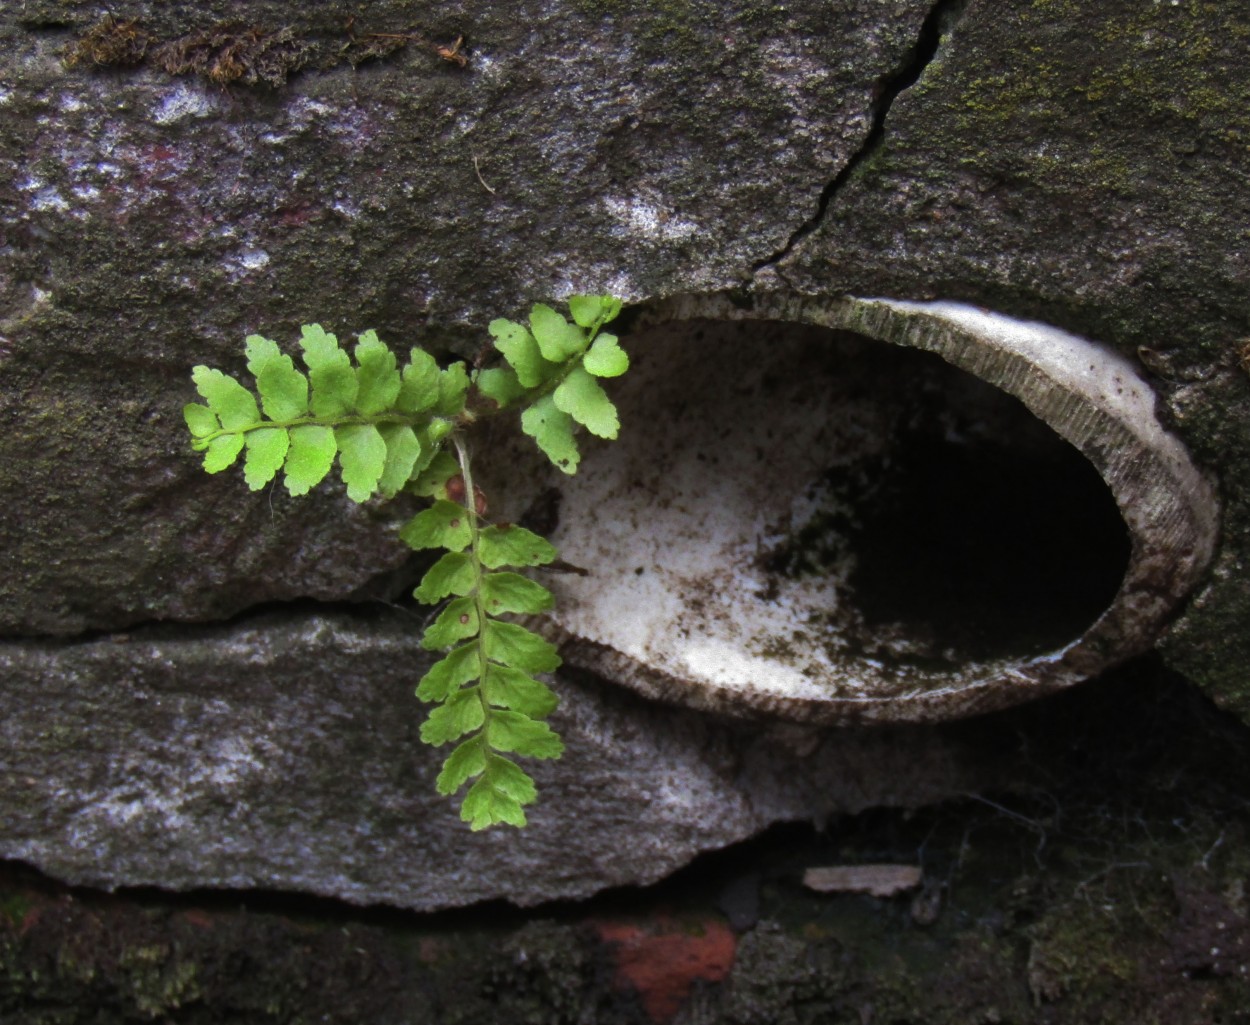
<point>485,685</point>
<point>390,428</point>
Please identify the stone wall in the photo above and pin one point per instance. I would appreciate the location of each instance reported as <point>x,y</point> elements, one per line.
<point>208,687</point>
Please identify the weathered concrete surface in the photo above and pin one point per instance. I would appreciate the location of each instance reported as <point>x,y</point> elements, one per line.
<point>283,754</point>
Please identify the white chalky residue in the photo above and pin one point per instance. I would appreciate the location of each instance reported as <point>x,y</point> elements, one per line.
<point>121,809</point>
<point>245,261</point>
<point>593,279</point>
<point>621,285</point>
<point>49,198</point>
<point>233,760</point>
<point>301,113</point>
<point>650,219</point>
<point>485,64</point>
<point>182,101</point>
<point>303,110</point>
<point>725,663</point>
<point>161,799</point>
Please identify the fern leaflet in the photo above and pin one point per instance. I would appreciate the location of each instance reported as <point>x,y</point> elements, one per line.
<point>383,423</point>
<point>388,426</point>
<point>485,687</point>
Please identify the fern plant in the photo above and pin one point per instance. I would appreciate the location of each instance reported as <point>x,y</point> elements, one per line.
<point>404,428</point>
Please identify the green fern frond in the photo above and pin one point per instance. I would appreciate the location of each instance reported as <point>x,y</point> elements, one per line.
<point>485,687</point>
<point>388,426</point>
<point>385,424</point>
<point>553,368</point>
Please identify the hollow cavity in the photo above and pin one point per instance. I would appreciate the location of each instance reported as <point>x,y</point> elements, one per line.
<point>810,504</point>
<point>868,510</point>
<point>971,527</point>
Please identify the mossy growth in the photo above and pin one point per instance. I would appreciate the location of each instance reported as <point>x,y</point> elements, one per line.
<point>224,54</point>
<point>15,906</point>
<point>227,54</point>
<point>240,53</point>
<point>1154,69</point>
<point>110,43</point>
<point>159,981</point>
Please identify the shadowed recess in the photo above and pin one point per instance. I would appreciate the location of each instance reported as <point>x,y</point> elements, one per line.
<point>970,524</point>
<point>815,514</point>
<point>998,548</point>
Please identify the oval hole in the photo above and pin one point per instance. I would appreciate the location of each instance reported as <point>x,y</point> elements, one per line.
<point>813,514</point>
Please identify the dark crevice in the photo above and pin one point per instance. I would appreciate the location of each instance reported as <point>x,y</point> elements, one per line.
<point>998,550</point>
<point>50,26</point>
<point>941,19</point>
<point>363,609</point>
<point>385,593</point>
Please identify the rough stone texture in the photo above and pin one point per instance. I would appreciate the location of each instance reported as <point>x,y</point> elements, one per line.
<point>1084,164</point>
<point>1079,163</point>
<point>1115,894</point>
<point>150,222</point>
<point>283,753</point>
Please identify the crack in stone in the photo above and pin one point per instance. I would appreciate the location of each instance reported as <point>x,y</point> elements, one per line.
<point>300,607</point>
<point>942,18</point>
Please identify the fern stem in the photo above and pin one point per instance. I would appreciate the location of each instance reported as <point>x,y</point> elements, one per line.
<point>470,504</point>
<point>413,420</point>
